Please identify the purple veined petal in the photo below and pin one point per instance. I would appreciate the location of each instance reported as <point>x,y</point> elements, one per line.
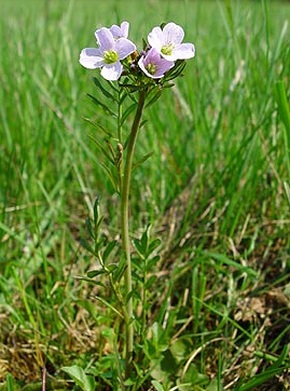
<point>152,56</point>
<point>124,47</point>
<point>163,67</point>
<point>90,58</point>
<point>112,71</point>
<point>105,38</point>
<point>173,33</point>
<point>183,51</point>
<point>155,38</point>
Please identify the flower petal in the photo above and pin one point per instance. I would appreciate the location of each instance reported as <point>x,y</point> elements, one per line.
<point>90,58</point>
<point>173,33</point>
<point>112,71</point>
<point>142,66</point>
<point>155,38</point>
<point>120,31</point>
<point>105,38</point>
<point>125,29</point>
<point>124,47</point>
<point>163,67</point>
<point>183,51</point>
<point>152,56</point>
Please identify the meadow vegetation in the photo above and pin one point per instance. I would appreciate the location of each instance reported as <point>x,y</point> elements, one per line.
<point>216,192</point>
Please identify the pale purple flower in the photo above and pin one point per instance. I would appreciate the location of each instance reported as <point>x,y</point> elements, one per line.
<point>121,31</point>
<point>168,42</point>
<point>108,55</point>
<point>153,65</point>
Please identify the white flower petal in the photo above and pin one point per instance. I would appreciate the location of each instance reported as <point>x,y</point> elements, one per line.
<point>105,38</point>
<point>173,33</point>
<point>124,47</point>
<point>115,30</point>
<point>155,38</point>
<point>112,71</point>
<point>90,58</point>
<point>183,51</point>
<point>125,29</point>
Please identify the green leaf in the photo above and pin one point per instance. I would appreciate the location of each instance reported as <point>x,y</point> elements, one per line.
<point>110,247</point>
<point>214,385</point>
<point>142,160</point>
<point>105,108</point>
<point>139,248</point>
<point>112,267</point>
<point>163,367</point>
<point>259,379</point>
<point>287,191</point>
<point>176,70</point>
<point>94,273</point>
<point>85,382</point>
<point>153,245</point>
<point>127,112</point>
<point>270,372</point>
<point>159,338</point>
<point>97,217</point>
<point>150,282</point>
<point>104,90</point>
<point>154,97</point>
<point>133,294</point>
<point>119,271</point>
<point>87,246</point>
<point>107,304</point>
<point>283,107</point>
<point>193,376</point>
<point>130,87</point>
<point>102,149</point>
<point>227,261</point>
<point>10,383</point>
<point>89,228</point>
<point>100,127</point>
<point>284,112</point>
<point>153,261</point>
<point>157,385</point>
<point>180,349</point>
<point>111,176</point>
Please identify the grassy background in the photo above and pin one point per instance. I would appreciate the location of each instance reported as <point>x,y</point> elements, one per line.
<point>213,190</point>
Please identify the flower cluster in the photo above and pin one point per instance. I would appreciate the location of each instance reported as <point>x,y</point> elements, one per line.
<point>115,51</point>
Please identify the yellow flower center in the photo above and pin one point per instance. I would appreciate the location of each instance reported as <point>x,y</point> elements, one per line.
<point>151,68</point>
<point>167,49</point>
<point>110,56</point>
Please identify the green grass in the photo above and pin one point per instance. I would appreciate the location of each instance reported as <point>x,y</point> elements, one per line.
<point>215,192</point>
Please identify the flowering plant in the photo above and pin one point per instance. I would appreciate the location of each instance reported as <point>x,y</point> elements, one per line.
<point>141,77</point>
<point>116,52</point>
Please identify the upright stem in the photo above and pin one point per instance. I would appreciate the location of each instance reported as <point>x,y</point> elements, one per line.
<point>125,190</point>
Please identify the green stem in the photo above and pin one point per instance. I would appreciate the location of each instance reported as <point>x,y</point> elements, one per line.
<point>125,190</point>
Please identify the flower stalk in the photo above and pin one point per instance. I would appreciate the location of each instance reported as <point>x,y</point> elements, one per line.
<point>125,191</point>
